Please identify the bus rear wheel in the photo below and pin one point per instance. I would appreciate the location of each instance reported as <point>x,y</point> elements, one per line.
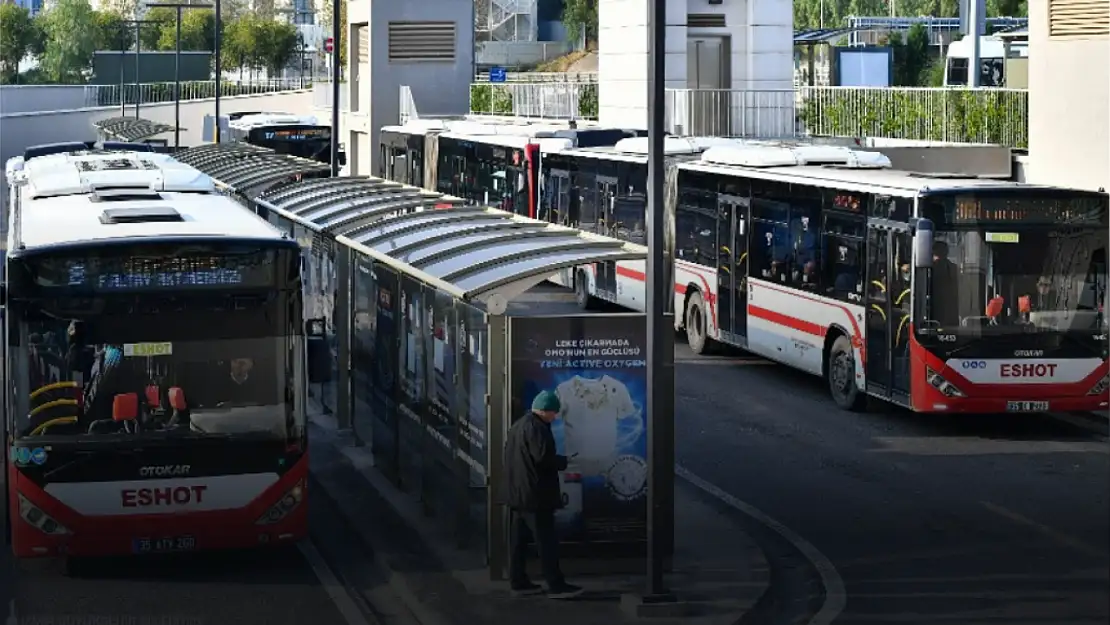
<point>582,291</point>
<point>840,369</point>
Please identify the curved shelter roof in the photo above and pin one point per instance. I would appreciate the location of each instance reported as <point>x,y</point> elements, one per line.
<point>474,253</point>
<point>249,169</point>
<point>130,128</point>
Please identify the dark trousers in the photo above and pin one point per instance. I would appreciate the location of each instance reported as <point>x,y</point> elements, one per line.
<point>524,527</point>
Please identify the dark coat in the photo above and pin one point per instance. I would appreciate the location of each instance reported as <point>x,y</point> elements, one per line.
<point>531,471</point>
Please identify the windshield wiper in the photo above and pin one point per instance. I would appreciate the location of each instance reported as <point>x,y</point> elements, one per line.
<point>83,457</point>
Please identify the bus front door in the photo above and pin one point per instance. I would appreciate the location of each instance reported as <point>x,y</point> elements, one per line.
<point>888,305</point>
<point>732,269</point>
<point>606,284</point>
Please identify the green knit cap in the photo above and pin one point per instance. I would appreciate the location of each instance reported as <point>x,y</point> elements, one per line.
<point>546,401</point>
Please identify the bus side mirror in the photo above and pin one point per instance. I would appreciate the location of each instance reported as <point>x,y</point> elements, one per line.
<point>125,407</point>
<point>923,244</point>
<point>3,294</point>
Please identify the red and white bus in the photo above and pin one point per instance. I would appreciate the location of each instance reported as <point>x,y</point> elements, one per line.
<point>154,362</point>
<point>489,163</point>
<point>940,294</point>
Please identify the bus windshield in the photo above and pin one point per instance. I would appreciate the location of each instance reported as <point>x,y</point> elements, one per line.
<point>1018,277</point>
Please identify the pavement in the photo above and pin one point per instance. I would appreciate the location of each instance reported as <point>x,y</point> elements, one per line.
<point>718,571</point>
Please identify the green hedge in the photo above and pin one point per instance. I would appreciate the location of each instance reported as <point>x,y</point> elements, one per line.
<point>497,99</point>
<point>944,114</point>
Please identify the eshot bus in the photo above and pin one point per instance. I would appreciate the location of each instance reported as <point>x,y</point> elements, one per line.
<point>483,162</point>
<point>155,363</point>
<point>296,135</point>
<point>939,294</point>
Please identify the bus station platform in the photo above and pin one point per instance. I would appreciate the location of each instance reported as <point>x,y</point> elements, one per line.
<point>717,570</point>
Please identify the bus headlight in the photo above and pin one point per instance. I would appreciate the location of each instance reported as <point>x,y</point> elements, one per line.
<point>1101,387</point>
<point>288,503</point>
<point>42,521</point>
<point>944,386</point>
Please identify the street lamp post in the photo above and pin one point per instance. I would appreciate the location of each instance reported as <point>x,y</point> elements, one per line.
<point>180,6</point>
<point>219,69</point>
<point>336,30</point>
<point>138,24</point>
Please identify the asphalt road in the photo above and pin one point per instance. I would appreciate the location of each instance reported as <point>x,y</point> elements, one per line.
<point>926,518</point>
<point>254,588</point>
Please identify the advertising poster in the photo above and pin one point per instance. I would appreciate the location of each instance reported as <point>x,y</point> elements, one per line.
<point>597,367</point>
<point>472,425</point>
<point>363,322</point>
<point>413,382</point>
<point>444,484</point>
<point>384,372</point>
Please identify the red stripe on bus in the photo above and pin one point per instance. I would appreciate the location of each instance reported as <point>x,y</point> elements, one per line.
<point>793,323</point>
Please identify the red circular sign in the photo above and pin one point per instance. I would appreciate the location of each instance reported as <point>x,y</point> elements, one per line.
<point>329,44</point>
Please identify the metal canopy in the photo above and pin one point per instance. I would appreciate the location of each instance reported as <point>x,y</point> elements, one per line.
<point>249,169</point>
<point>130,129</point>
<point>472,252</point>
<point>821,35</point>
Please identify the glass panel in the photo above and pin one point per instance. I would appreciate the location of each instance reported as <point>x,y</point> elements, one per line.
<point>426,218</point>
<point>433,234</point>
<point>472,434</point>
<point>412,390</point>
<point>363,323</point>
<point>444,484</point>
<point>527,267</point>
<point>383,370</point>
<point>500,251</point>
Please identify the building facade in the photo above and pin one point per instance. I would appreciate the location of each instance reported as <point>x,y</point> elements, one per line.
<point>1069,93</point>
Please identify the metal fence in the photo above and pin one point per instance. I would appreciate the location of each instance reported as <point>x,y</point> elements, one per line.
<point>945,114</point>
<point>541,77</point>
<point>151,93</point>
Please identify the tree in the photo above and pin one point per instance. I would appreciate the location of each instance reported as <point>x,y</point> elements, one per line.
<point>580,16</point>
<point>240,45</point>
<point>16,37</point>
<point>111,31</point>
<point>277,44</point>
<point>911,56</point>
<point>70,29</point>
<point>126,9</point>
<point>151,34</point>
<point>198,31</point>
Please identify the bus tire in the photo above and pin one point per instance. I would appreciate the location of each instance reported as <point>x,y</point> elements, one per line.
<point>582,291</point>
<point>840,371</point>
<point>696,324</point>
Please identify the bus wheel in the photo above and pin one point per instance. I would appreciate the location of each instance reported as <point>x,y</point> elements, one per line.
<point>582,291</point>
<point>841,373</point>
<point>695,324</point>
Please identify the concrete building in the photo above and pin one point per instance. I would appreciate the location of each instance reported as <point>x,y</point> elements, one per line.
<point>712,44</point>
<point>1069,93</point>
<point>428,46</point>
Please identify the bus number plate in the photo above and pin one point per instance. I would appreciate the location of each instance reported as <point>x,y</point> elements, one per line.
<point>1027,406</point>
<point>164,545</point>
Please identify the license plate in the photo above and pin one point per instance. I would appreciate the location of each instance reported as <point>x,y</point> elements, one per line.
<point>1027,406</point>
<point>164,545</point>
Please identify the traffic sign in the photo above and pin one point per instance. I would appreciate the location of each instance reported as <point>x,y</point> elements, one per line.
<point>497,74</point>
<point>329,44</point>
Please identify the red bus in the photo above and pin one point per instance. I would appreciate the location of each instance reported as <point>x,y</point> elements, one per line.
<point>155,363</point>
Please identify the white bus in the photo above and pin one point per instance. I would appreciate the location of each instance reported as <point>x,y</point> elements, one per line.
<point>940,294</point>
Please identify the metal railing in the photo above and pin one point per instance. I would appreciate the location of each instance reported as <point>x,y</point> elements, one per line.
<point>152,93</point>
<point>943,114</point>
<point>541,77</point>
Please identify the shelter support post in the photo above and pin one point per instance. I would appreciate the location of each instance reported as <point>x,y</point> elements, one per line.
<point>343,398</point>
<point>497,403</point>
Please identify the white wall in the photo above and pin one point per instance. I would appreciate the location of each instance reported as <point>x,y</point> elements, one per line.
<point>438,88</point>
<point>761,42</point>
<point>1069,107</point>
<point>19,130</point>
<point>32,98</point>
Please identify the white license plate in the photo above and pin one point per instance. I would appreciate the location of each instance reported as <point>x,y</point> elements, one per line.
<point>1026,406</point>
<point>164,545</point>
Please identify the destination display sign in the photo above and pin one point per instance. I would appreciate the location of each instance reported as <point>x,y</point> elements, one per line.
<point>1028,209</point>
<point>297,134</point>
<point>158,273</point>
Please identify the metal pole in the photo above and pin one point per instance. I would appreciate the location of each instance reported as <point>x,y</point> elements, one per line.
<point>219,70</point>
<point>660,426</point>
<point>177,83</point>
<point>974,65</point>
<point>335,74</point>
<point>122,57</point>
<point>138,50</point>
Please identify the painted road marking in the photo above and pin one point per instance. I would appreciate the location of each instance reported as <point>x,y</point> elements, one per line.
<point>338,593</point>
<point>1059,537</point>
<point>836,598</point>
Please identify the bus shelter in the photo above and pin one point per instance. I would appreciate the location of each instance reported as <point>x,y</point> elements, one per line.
<point>129,129</point>
<point>445,329</point>
<point>250,170</point>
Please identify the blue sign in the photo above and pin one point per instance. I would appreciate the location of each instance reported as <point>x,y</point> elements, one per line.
<point>38,455</point>
<point>497,74</point>
<point>23,456</point>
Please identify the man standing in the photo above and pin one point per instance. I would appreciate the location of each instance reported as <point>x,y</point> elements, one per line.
<point>532,492</point>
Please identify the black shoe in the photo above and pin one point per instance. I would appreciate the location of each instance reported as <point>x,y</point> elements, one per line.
<point>566,591</point>
<point>526,589</point>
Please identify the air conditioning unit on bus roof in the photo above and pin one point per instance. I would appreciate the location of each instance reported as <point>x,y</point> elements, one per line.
<point>794,156</point>
<point>672,145</point>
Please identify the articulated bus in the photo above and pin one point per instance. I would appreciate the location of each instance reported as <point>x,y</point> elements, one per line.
<point>482,162</point>
<point>939,294</point>
<point>297,135</point>
<point>154,363</point>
